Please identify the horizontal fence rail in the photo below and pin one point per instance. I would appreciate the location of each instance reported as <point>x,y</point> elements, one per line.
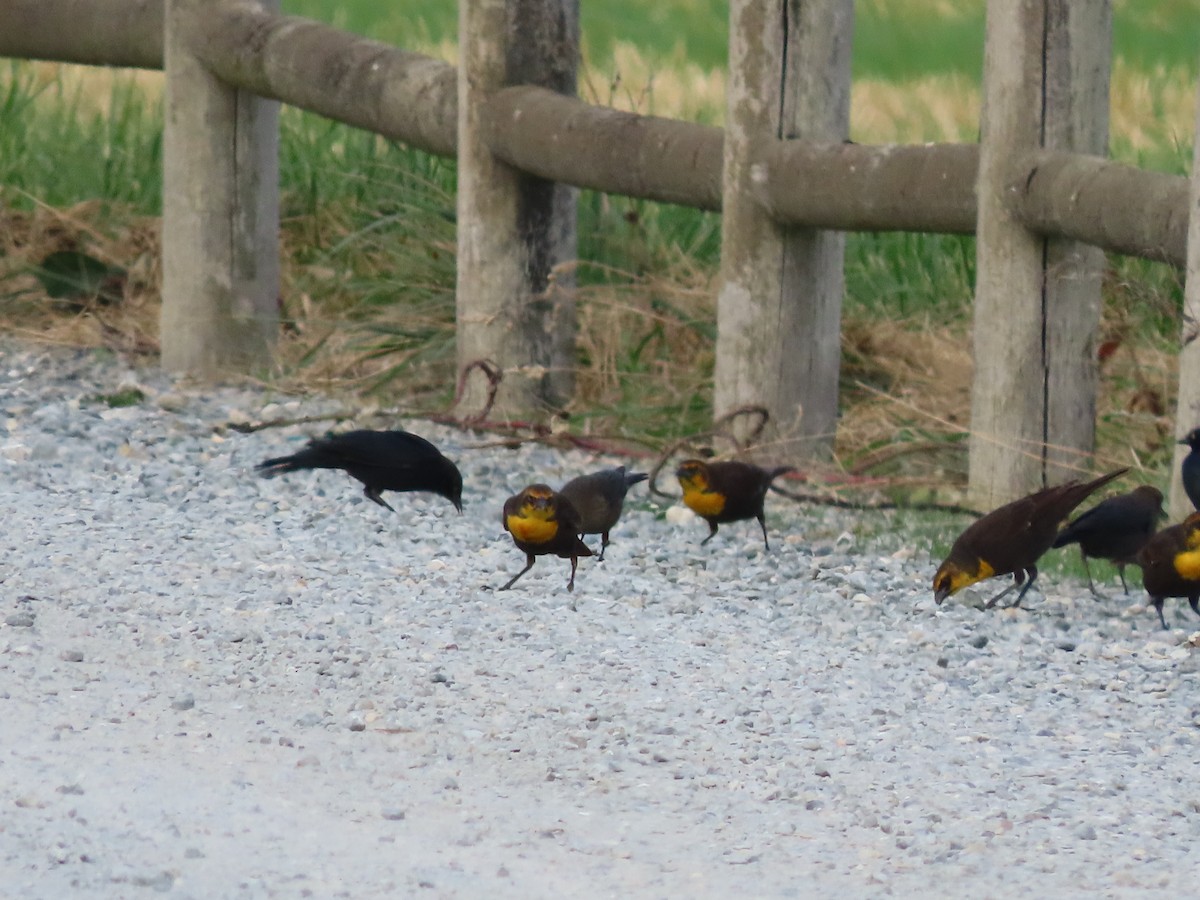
<point>1103,203</point>
<point>102,33</point>
<point>404,96</point>
<point>563,139</point>
<point>856,187</point>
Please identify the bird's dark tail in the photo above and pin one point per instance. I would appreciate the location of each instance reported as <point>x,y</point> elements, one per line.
<point>1080,492</point>
<point>1064,498</point>
<point>777,471</point>
<point>280,465</point>
<point>1064,538</point>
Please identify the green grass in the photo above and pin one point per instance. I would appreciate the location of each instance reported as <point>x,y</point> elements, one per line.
<point>904,276</point>
<point>56,149</point>
<point>893,41</point>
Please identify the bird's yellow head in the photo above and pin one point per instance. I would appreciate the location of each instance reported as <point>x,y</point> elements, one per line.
<point>697,489</point>
<point>693,474</point>
<point>534,518</point>
<point>952,577</point>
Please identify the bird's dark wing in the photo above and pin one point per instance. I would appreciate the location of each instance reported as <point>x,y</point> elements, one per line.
<point>380,449</point>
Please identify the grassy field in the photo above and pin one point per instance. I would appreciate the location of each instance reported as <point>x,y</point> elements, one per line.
<point>369,236</point>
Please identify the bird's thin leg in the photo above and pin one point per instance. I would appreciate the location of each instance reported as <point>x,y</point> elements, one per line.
<point>574,563</point>
<point>763,522</point>
<point>712,533</point>
<point>1088,572</point>
<point>1017,579</point>
<point>1033,574</point>
<point>1158,605</point>
<point>1194,600</point>
<point>373,494</point>
<point>529,559</point>
<point>1121,572</point>
<point>603,545</point>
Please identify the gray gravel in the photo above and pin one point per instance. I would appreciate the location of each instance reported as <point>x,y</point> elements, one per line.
<point>216,685</point>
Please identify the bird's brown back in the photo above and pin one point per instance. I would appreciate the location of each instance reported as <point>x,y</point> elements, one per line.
<point>598,498</point>
<point>1014,536</point>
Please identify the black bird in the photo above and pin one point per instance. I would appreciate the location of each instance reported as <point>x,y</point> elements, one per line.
<point>730,491</point>
<point>1115,529</point>
<point>543,522</point>
<point>599,499</point>
<point>1170,564</point>
<point>1010,540</point>
<point>1191,467</point>
<point>381,460</point>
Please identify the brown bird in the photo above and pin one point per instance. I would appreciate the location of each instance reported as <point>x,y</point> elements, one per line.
<point>381,460</point>
<point>599,499</point>
<point>542,522</point>
<point>1010,540</point>
<point>721,492</point>
<point>1115,529</point>
<point>1170,564</point>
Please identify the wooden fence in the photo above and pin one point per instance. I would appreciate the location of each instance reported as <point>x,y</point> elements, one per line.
<point>1037,191</point>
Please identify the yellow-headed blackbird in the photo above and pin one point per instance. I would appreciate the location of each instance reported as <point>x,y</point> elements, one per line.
<point>1170,564</point>
<point>381,460</point>
<point>1010,540</point>
<point>1115,529</point>
<point>543,522</point>
<point>726,491</point>
<point>599,499</point>
<point>1191,467</point>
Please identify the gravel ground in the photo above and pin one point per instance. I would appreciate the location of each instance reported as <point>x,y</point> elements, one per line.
<point>216,685</point>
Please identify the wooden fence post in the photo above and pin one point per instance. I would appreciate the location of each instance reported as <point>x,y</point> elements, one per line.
<point>1077,97</point>
<point>1187,409</point>
<point>220,228</point>
<point>513,307</point>
<point>780,293</point>
<point>1037,300</point>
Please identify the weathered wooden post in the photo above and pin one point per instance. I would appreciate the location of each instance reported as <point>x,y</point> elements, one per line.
<point>1037,300</point>
<point>513,308</point>
<point>220,245</point>
<point>1187,409</point>
<point>779,298</point>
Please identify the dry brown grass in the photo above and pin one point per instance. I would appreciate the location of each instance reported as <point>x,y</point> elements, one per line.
<point>93,85</point>
<point>1155,110</point>
<point>129,325</point>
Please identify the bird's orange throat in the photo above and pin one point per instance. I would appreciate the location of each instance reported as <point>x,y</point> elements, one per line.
<point>701,500</point>
<point>533,526</point>
<point>1187,564</point>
